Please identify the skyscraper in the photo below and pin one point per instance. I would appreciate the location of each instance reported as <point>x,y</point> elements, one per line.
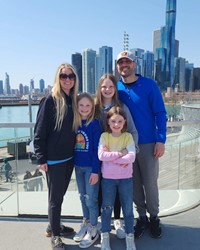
<point>88,67</point>
<point>179,73</point>
<point>167,49</point>
<point>103,63</point>
<point>170,39</point>
<point>149,64</point>
<point>21,89</point>
<point>1,87</point>
<point>77,63</point>
<point>42,85</point>
<point>7,90</point>
<point>31,85</point>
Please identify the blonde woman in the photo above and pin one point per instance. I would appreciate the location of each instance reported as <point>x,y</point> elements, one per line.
<point>54,141</point>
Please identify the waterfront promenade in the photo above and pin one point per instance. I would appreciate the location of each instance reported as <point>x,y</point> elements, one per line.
<point>180,232</point>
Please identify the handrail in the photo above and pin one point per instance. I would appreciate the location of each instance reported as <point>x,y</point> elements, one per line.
<point>17,125</point>
<point>32,124</point>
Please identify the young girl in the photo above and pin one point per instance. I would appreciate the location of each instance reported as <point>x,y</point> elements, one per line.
<point>87,168</point>
<point>117,153</point>
<point>106,98</point>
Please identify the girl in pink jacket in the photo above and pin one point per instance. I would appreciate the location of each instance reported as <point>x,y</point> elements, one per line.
<point>117,153</point>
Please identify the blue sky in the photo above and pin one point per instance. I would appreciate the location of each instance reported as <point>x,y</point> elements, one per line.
<point>38,35</point>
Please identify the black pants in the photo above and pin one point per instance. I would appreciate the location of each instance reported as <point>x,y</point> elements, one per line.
<point>58,178</point>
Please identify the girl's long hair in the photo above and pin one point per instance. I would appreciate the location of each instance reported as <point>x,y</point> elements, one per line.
<point>77,119</point>
<point>59,96</point>
<point>99,98</point>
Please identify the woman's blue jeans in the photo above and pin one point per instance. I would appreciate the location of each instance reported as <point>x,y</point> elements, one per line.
<point>125,189</point>
<point>88,194</point>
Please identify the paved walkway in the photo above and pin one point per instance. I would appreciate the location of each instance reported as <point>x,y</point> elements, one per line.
<point>180,232</point>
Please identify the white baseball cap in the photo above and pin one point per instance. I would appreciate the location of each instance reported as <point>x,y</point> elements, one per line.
<point>126,54</point>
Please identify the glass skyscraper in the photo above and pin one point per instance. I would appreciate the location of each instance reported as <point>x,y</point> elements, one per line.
<point>88,68</point>
<point>168,49</point>
<point>77,63</point>
<point>42,85</point>
<point>170,39</point>
<point>103,62</point>
<point>7,85</point>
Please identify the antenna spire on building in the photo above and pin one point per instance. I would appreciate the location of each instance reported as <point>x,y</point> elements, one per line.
<point>126,41</point>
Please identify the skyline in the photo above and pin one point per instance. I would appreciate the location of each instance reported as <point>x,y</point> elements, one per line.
<point>33,38</point>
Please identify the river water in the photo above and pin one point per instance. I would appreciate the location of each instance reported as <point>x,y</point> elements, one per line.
<point>15,114</point>
<point>20,114</point>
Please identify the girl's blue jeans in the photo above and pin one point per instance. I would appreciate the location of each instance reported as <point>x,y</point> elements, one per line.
<point>125,189</point>
<point>88,194</point>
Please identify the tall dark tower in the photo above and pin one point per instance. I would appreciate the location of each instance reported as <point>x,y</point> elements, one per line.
<point>170,39</point>
<point>166,48</point>
<point>7,85</point>
<point>77,63</point>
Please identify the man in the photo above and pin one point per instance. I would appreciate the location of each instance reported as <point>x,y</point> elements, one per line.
<point>7,167</point>
<point>144,100</point>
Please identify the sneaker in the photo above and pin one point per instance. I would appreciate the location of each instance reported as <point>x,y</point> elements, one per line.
<point>64,231</point>
<point>141,225</point>
<point>130,242</point>
<point>82,232</point>
<point>155,228</point>
<point>91,236</point>
<point>120,232</point>
<point>57,243</point>
<point>105,241</point>
<point>99,224</point>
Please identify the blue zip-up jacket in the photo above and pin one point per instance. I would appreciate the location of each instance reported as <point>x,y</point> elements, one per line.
<point>86,148</point>
<point>145,102</point>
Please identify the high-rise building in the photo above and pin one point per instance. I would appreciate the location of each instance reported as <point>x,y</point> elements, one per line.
<point>26,90</point>
<point>31,85</point>
<point>179,73</point>
<point>42,85</point>
<point>21,89</point>
<point>170,39</point>
<point>1,87</point>
<point>189,76</point>
<point>88,67</point>
<point>77,63</point>
<point>7,89</point>
<point>196,78</point>
<point>166,48</point>
<point>103,63</point>
<point>139,54</point>
<point>149,64</point>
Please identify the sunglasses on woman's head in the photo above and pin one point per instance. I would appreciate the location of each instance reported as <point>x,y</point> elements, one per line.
<point>64,76</point>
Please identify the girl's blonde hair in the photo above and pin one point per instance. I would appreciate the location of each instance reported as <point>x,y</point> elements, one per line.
<point>59,95</point>
<point>78,120</point>
<point>116,110</point>
<point>99,98</point>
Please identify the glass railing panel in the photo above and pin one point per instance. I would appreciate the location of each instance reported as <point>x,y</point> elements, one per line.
<point>189,173</point>
<point>179,170</point>
<point>8,178</point>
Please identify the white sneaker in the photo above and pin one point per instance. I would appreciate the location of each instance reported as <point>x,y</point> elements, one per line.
<point>120,232</point>
<point>99,224</point>
<point>105,241</point>
<point>91,236</point>
<point>130,242</point>
<point>82,232</point>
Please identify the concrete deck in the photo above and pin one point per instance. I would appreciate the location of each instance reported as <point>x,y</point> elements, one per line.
<point>180,232</point>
